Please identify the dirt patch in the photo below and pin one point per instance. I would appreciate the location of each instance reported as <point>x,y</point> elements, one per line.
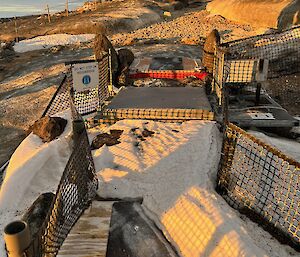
<point>115,15</point>
<point>280,13</point>
<point>193,26</point>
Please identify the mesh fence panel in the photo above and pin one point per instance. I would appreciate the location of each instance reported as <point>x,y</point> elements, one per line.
<point>90,101</point>
<point>113,115</point>
<point>282,49</point>
<point>85,102</point>
<point>257,178</point>
<point>60,100</point>
<point>74,194</point>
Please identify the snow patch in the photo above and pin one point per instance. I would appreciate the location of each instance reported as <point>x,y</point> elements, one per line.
<point>175,173</point>
<point>45,42</point>
<point>34,168</point>
<point>289,147</point>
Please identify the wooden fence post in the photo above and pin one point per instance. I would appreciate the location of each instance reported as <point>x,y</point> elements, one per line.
<point>16,30</point>
<point>48,11</point>
<point>67,8</point>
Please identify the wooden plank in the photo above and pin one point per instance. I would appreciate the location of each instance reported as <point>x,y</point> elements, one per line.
<point>88,238</point>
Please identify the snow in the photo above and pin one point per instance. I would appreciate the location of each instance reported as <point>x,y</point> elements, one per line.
<point>288,146</point>
<point>34,168</point>
<point>45,42</point>
<point>174,171</point>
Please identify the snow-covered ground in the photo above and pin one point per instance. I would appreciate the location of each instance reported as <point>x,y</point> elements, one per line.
<point>174,171</point>
<point>45,42</point>
<point>288,146</point>
<point>34,168</point>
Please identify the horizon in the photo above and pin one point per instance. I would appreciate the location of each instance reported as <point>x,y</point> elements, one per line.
<point>34,7</point>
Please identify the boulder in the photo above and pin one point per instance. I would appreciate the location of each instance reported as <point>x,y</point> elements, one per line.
<point>211,41</point>
<point>260,13</point>
<point>48,128</point>
<point>126,58</point>
<point>102,45</point>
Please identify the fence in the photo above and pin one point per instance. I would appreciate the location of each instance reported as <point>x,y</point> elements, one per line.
<point>241,67</point>
<point>262,182</point>
<point>85,102</point>
<point>282,49</point>
<point>74,194</point>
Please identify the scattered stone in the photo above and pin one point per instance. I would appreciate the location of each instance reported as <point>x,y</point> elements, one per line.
<point>116,133</point>
<point>167,14</point>
<point>106,139</point>
<point>129,41</point>
<point>55,49</point>
<point>147,133</point>
<point>48,128</point>
<point>140,137</point>
<point>190,41</point>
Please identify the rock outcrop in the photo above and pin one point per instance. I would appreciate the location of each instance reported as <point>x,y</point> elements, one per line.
<point>126,57</point>
<point>211,41</point>
<point>260,13</point>
<point>48,128</point>
<point>102,45</point>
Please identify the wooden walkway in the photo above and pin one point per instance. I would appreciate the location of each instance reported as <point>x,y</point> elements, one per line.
<point>88,238</point>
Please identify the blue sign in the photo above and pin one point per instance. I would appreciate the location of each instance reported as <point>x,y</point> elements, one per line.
<point>86,79</point>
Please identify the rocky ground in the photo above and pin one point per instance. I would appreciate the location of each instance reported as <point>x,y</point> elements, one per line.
<point>28,80</point>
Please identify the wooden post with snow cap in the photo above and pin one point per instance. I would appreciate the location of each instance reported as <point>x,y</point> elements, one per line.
<point>17,239</point>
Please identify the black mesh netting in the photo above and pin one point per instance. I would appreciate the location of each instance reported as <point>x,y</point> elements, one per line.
<point>85,102</point>
<point>262,182</point>
<point>75,192</point>
<point>282,49</point>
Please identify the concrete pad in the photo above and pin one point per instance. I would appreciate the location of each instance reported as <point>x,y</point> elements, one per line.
<point>133,234</point>
<point>161,98</point>
<point>260,13</point>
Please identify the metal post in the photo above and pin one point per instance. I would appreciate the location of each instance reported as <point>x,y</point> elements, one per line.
<point>257,97</point>
<point>17,239</point>
<point>110,85</point>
